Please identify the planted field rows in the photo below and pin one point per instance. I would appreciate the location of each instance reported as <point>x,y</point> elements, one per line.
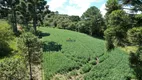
<point>71,55</point>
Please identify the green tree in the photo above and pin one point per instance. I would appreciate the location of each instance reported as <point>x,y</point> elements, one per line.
<point>119,18</point>
<point>74,18</point>
<point>31,48</point>
<point>46,10</point>
<point>135,36</point>
<point>3,10</point>
<point>111,6</point>
<point>64,24</point>
<point>11,7</point>
<point>135,4</point>
<point>137,20</point>
<point>118,25</point>
<point>24,15</point>
<point>36,9</point>
<point>72,26</point>
<point>82,26</point>
<point>95,20</point>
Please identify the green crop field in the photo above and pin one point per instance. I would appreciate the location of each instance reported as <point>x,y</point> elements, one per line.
<point>71,55</point>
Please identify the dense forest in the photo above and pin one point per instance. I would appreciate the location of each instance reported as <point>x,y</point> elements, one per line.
<point>23,43</point>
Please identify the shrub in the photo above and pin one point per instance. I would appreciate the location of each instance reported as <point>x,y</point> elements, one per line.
<point>93,62</point>
<point>73,73</point>
<point>135,36</point>
<point>5,36</point>
<point>5,50</point>
<point>12,69</point>
<point>86,68</point>
<point>30,45</point>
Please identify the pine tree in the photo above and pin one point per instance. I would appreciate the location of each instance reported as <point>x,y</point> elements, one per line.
<point>36,9</point>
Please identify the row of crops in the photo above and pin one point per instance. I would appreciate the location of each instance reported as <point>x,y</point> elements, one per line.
<point>78,51</point>
<point>115,67</point>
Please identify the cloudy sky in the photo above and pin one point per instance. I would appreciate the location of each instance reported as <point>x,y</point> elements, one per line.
<point>75,7</point>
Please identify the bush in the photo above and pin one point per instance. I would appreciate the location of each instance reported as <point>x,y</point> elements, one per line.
<point>37,33</point>
<point>46,23</point>
<point>13,69</point>
<point>6,35</point>
<point>5,50</point>
<point>72,26</point>
<point>73,73</point>
<point>135,36</point>
<point>93,62</point>
<point>30,44</point>
<point>139,52</point>
<point>86,68</point>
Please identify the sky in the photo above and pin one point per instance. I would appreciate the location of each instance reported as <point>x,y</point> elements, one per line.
<point>75,7</point>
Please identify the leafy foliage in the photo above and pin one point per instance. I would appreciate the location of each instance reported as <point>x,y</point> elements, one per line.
<point>112,5</point>
<point>118,18</point>
<point>90,23</point>
<point>82,27</point>
<point>36,8</point>
<point>86,68</point>
<point>117,27</point>
<point>61,21</point>
<point>136,4</point>
<point>30,44</point>
<point>23,13</point>
<point>12,68</point>
<point>135,36</point>
<point>74,18</point>
<point>5,36</point>
<point>11,7</point>
<point>136,63</point>
<point>94,19</point>
<point>31,49</point>
<point>137,20</point>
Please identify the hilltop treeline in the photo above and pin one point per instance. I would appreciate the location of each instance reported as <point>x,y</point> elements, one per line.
<point>91,22</point>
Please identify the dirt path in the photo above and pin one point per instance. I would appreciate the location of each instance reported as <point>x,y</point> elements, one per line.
<point>69,76</point>
<point>37,72</point>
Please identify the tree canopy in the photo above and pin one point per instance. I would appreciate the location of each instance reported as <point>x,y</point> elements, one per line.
<point>136,4</point>
<point>94,19</point>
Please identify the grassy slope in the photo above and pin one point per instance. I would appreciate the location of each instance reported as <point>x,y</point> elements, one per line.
<point>12,43</point>
<point>78,54</point>
<point>4,25</point>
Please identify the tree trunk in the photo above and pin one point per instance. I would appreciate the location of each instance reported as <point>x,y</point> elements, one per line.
<point>34,19</point>
<point>30,66</point>
<point>26,24</point>
<point>34,24</point>
<point>91,31</point>
<point>14,23</point>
